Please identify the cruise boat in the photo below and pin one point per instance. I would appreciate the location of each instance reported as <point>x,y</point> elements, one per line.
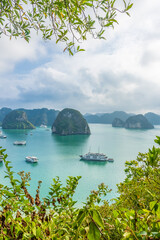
<point>19,143</point>
<point>32,159</point>
<point>100,157</point>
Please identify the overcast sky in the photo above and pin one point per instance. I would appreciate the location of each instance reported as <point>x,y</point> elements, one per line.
<point>121,73</point>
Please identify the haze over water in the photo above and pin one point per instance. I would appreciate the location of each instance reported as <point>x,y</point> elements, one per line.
<point>59,156</point>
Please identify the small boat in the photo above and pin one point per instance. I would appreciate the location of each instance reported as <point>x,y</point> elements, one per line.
<point>43,126</point>
<point>110,160</point>
<point>100,157</point>
<point>3,136</point>
<point>32,159</point>
<point>19,143</point>
<point>1,158</point>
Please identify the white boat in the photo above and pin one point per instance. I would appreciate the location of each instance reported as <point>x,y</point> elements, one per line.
<point>100,157</point>
<point>3,136</point>
<point>31,159</point>
<point>43,126</point>
<point>19,143</point>
<point>1,158</point>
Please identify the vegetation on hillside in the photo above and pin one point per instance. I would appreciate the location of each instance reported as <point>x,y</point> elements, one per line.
<point>135,214</point>
<point>138,121</point>
<point>16,120</point>
<point>70,122</point>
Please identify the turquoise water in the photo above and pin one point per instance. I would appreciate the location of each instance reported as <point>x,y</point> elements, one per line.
<point>59,156</point>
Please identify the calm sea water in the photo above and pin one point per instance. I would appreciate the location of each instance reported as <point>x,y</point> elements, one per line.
<point>59,156</point>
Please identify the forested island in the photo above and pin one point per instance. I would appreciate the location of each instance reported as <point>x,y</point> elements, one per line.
<point>70,122</point>
<point>47,116</point>
<point>133,122</point>
<point>17,120</point>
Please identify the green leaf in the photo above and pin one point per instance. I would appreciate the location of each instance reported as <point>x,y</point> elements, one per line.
<point>143,233</point>
<point>152,204</point>
<point>94,233</point>
<point>97,218</point>
<point>129,6</point>
<point>80,217</point>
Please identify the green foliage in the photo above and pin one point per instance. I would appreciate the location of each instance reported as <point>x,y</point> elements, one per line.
<point>70,121</point>
<point>135,214</point>
<point>65,20</point>
<point>16,120</point>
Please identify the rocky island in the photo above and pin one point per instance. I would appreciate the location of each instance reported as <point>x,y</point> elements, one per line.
<point>138,122</point>
<point>70,122</point>
<point>133,122</point>
<point>16,120</point>
<point>117,122</point>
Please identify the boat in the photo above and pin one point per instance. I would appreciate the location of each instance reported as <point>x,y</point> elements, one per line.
<point>3,136</point>
<point>1,158</point>
<point>110,160</point>
<point>100,157</point>
<point>43,126</point>
<point>19,143</point>
<point>31,159</point>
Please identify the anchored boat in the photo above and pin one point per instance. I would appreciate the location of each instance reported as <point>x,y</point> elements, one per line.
<point>1,158</point>
<point>3,136</point>
<point>19,143</point>
<point>31,159</point>
<point>99,157</point>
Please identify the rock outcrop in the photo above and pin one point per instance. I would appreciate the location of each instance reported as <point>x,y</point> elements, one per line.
<point>70,122</point>
<point>41,116</point>
<point>16,120</point>
<point>117,122</point>
<point>138,122</point>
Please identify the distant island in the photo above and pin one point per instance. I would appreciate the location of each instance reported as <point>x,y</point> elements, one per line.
<point>133,122</point>
<point>70,122</point>
<point>107,118</point>
<point>17,120</point>
<point>37,117</point>
<point>117,122</point>
<point>44,116</point>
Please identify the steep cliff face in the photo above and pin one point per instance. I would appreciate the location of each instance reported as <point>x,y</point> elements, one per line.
<point>41,116</point>
<point>3,112</point>
<point>16,120</point>
<point>117,122</point>
<point>138,122</point>
<point>70,122</point>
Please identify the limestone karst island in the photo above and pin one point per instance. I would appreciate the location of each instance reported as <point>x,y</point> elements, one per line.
<point>133,122</point>
<point>17,120</point>
<point>70,122</point>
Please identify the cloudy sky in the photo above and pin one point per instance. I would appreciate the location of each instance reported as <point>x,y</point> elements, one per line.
<point>120,73</point>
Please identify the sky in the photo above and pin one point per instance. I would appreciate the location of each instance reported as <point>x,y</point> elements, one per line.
<point>119,73</point>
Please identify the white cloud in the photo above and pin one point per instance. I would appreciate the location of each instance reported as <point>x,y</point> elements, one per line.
<point>121,73</point>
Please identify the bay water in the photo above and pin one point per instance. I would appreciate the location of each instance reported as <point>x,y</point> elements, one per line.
<point>59,156</point>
